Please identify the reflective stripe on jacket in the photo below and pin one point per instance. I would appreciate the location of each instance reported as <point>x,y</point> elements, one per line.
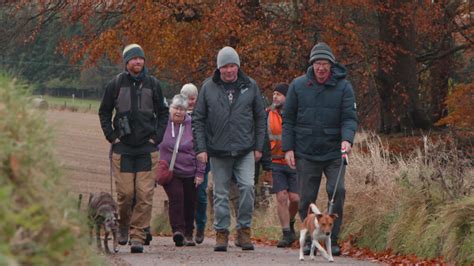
<point>274,123</point>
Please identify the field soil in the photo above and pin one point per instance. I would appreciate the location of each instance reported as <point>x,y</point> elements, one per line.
<point>82,152</point>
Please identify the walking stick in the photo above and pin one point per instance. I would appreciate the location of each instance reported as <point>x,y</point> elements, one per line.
<point>344,162</point>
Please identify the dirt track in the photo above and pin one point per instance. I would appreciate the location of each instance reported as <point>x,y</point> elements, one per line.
<point>83,154</point>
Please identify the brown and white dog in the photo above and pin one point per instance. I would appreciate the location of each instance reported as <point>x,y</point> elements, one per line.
<point>319,226</point>
<point>102,211</point>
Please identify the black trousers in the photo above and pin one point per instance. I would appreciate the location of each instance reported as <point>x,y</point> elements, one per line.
<point>309,175</point>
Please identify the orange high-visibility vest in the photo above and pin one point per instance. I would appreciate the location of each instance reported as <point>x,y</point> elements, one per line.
<point>274,124</point>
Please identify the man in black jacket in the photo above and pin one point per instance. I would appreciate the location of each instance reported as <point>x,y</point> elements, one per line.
<point>229,128</point>
<point>319,121</point>
<point>137,128</point>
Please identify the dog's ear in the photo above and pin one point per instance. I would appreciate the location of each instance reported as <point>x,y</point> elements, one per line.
<point>318,216</point>
<point>334,215</point>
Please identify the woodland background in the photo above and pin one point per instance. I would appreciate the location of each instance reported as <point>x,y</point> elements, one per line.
<point>411,62</point>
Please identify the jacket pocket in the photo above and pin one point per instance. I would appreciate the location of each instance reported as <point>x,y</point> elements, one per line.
<point>304,140</point>
<point>332,140</point>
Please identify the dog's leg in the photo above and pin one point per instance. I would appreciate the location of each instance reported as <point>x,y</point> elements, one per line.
<point>91,233</point>
<point>313,245</point>
<point>97,236</point>
<point>106,242</point>
<point>328,247</point>
<point>321,249</point>
<point>302,240</point>
<point>114,235</point>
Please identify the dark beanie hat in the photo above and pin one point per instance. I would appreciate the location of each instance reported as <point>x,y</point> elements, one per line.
<point>132,50</point>
<point>281,88</point>
<point>321,51</point>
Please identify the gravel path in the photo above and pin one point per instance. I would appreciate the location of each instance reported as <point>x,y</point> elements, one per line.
<point>82,152</point>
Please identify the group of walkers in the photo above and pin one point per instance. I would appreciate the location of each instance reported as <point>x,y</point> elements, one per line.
<point>226,129</point>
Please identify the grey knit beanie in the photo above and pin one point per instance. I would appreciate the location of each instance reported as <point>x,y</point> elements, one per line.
<point>227,55</point>
<point>321,51</point>
<point>132,50</point>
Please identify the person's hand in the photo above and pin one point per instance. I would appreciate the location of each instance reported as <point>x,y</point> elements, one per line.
<point>152,141</point>
<point>290,159</point>
<point>202,157</point>
<point>346,146</point>
<point>258,155</point>
<point>117,140</point>
<point>198,180</point>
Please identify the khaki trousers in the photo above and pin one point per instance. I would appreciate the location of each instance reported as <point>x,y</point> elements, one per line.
<point>140,184</point>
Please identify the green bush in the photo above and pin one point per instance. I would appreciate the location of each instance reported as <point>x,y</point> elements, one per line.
<point>40,224</point>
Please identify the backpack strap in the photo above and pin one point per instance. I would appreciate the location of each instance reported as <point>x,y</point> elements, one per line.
<point>117,81</point>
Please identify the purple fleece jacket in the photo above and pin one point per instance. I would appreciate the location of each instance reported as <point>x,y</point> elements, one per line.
<point>186,164</point>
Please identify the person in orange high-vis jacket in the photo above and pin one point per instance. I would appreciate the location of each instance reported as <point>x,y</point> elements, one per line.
<point>285,181</point>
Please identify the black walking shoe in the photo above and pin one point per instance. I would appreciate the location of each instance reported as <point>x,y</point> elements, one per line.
<point>178,239</point>
<point>336,251</point>
<point>189,242</point>
<point>307,246</point>
<point>136,247</point>
<point>286,240</point>
<point>199,238</point>
<point>148,237</point>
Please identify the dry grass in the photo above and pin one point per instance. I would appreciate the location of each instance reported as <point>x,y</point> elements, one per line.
<point>413,204</point>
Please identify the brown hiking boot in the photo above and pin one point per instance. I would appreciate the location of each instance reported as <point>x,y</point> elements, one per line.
<point>222,239</point>
<point>243,236</point>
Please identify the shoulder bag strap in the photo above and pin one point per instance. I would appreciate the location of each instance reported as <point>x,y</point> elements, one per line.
<point>176,147</point>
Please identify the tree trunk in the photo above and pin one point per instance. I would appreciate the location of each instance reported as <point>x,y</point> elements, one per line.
<point>397,76</point>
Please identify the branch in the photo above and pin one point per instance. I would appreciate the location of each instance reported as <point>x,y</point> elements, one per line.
<point>435,55</point>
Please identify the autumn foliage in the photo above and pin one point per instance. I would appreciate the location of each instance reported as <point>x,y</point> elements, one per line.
<point>460,104</point>
<point>400,54</point>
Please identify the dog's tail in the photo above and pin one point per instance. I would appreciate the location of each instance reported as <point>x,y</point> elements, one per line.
<point>312,208</point>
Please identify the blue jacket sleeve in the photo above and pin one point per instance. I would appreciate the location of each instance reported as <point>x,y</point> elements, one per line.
<point>348,114</point>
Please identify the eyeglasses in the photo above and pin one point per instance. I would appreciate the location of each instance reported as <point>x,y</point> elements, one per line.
<point>322,64</point>
<point>178,108</point>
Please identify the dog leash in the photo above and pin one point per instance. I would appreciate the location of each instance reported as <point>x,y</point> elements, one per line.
<point>110,163</point>
<point>344,162</point>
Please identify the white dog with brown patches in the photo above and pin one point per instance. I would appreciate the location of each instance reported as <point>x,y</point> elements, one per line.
<point>319,226</point>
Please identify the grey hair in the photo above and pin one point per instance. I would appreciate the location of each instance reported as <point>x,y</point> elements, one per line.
<point>189,90</point>
<point>180,100</point>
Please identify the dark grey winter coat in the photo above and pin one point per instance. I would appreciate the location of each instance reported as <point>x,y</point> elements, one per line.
<point>222,129</point>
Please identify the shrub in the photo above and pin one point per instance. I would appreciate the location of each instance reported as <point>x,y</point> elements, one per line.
<point>40,223</point>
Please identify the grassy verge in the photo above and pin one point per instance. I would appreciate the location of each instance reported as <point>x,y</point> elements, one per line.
<point>418,204</point>
<point>40,223</point>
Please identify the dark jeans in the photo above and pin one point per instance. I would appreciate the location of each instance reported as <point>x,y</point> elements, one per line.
<point>201,203</point>
<point>309,175</point>
<point>182,199</point>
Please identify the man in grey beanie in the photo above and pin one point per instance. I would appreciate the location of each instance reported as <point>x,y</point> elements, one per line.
<point>133,117</point>
<point>319,122</point>
<point>229,129</point>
